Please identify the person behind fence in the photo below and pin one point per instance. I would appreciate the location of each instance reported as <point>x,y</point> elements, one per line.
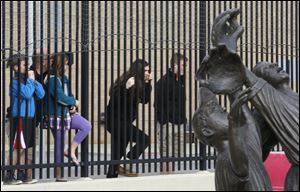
<point>170,110</point>
<point>40,68</point>
<point>23,91</point>
<point>132,88</point>
<point>60,112</point>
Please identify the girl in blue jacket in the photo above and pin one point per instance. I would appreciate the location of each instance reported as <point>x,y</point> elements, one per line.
<point>24,89</point>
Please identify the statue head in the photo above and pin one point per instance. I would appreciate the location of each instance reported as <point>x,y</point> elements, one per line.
<point>270,72</point>
<point>226,30</point>
<point>210,120</point>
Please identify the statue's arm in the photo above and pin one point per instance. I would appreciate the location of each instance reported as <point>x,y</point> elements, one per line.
<point>236,136</point>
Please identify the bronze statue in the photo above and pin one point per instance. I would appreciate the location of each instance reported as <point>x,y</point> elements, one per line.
<point>239,161</point>
<point>223,72</point>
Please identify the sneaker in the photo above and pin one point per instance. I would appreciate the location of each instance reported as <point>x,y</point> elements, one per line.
<point>10,179</point>
<point>25,179</point>
<point>126,172</point>
<point>30,181</point>
<point>61,180</point>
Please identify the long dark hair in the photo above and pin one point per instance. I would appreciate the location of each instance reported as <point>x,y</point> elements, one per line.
<point>137,71</point>
<point>60,60</point>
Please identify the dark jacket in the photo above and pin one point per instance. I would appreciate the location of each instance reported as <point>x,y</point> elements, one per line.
<point>39,103</point>
<point>123,104</point>
<point>170,100</point>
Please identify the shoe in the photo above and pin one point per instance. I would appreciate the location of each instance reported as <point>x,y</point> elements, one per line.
<point>30,181</point>
<point>126,172</point>
<point>73,159</point>
<point>10,179</point>
<point>25,179</point>
<point>61,180</point>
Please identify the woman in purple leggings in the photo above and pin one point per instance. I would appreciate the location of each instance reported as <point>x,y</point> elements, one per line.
<point>60,111</point>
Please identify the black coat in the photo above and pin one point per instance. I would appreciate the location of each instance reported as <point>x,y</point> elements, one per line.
<point>123,104</point>
<point>170,100</point>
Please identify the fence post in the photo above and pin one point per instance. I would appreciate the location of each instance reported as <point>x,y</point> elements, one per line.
<point>85,81</point>
<point>203,161</point>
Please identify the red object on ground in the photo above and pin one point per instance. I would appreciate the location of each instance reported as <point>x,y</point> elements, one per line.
<point>277,166</point>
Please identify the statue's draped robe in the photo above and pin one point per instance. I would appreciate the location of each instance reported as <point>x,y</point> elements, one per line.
<point>257,179</point>
<point>281,111</point>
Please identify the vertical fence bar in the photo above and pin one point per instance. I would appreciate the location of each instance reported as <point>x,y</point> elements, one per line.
<point>251,36</point>
<point>286,44</point>
<point>262,31</point>
<point>256,34</point>
<point>287,61</point>
<point>241,39</point>
<point>202,26</point>
<point>184,94</point>
<point>3,90</point>
<point>125,69</point>
<point>19,87</point>
<point>277,34</point>
<point>93,84</point>
<point>137,93</point>
<point>167,133</point>
<point>99,88</point>
<point>32,59</point>
<point>155,80</point>
<point>11,43</point>
<point>85,82</point>
<point>55,88</point>
<point>70,71</point>
<point>115,132</point>
<point>179,93</point>
<point>161,75</point>
<point>27,55</point>
<point>297,46</point>
<point>48,66</point>
<point>197,48</point>
<point>62,23</point>
<point>149,105</point>
<point>105,80</point>
<point>272,31</point>
<point>267,31</point>
<point>281,35</point>
<point>131,61</point>
<point>143,143</point>
<point>246,35</point>
<point>77,65</point>
<point>292,43</point>
<point>190,20</point>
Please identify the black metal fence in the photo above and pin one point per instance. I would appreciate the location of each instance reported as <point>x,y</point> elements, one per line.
<point>105,39</point>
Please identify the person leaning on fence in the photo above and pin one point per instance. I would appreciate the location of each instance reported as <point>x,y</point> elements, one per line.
<point>128,91</point>
<point>60,111</point>
<point>23,91</point>
<point>170,110</point>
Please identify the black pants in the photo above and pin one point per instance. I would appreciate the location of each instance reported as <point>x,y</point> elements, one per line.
<point>121,136</point>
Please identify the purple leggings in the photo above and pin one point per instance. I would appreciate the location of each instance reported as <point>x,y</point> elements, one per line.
<point>78,122</point>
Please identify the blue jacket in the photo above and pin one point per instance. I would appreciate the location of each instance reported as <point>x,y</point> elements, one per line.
<point>59,92</point>
<point>28,91</point>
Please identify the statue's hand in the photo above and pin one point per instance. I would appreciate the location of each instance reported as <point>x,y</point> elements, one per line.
<point>235,113</point>
<point>221,71</point>
<point>226,30</point>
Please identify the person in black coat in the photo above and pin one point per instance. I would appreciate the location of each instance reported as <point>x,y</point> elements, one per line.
<point>132,88</point>
<point>170,110</point>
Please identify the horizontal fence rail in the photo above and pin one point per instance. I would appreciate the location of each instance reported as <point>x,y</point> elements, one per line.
<point>102,39</point>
